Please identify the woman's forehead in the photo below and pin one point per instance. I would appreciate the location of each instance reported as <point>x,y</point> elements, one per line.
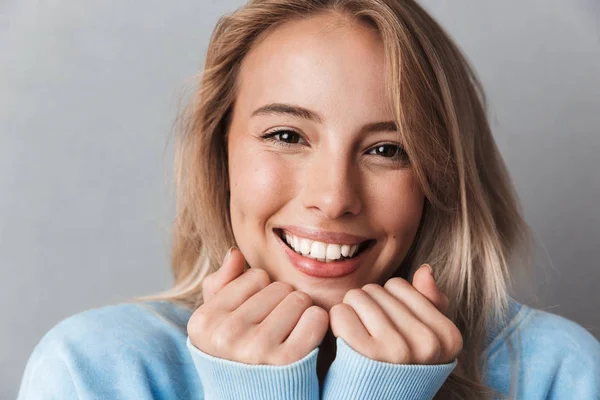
<point>336,69</point>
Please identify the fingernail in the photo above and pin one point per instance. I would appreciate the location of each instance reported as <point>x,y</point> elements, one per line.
<point>430,271</point>
<point>228,254</point>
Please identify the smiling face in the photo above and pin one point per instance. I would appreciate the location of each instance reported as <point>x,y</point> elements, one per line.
<point>314,158</point>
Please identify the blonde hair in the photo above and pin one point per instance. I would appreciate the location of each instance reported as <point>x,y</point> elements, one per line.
<point>471,228</point>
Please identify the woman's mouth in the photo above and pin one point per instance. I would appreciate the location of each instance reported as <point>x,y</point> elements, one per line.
<point>322,259</point>
<point>321,251</point>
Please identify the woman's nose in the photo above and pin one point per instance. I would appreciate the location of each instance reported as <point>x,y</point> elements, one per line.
<point>331,186</point>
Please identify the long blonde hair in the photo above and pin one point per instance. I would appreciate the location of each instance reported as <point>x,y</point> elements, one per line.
<point>472,226</point>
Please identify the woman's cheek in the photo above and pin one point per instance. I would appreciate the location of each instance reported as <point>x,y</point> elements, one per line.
<point>259,183</point>
<point>400,214</point>
<point>264,177</point>
<point>260,190</point>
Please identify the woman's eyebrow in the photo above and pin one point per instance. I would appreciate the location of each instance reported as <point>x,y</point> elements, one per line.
<point>304,113</point>
<point>288,109</point>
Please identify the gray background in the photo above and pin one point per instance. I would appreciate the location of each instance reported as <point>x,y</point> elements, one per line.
<point>88,95</point>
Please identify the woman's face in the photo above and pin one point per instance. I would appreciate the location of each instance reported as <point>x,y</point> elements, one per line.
<point>332,180</point>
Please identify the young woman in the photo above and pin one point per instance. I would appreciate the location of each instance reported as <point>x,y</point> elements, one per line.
<point>342,147</point>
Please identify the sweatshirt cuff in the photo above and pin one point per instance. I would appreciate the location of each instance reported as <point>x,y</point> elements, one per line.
<point>225,379</point>
<point>354,376</point>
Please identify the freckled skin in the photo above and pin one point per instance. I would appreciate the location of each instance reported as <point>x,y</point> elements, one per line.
<point>328,181</point>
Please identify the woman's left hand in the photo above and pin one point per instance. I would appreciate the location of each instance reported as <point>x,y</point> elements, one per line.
<point>398,323</point>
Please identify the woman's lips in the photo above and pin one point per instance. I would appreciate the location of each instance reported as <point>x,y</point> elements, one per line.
<point>322,235</point>
<point>312,267</point>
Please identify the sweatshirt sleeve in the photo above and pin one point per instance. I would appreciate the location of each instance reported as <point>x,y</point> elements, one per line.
<point>578,375</point>
<point>354,376</point>
<point>225,379</point>
<point>560,359</point>
<point>47,376</point>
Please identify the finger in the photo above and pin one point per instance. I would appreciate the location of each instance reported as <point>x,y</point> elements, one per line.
<point>423,342</point>
<point>347,325</point>
<point>238,291</point>
<point>281,321</point>
<point>425,311</point>
<point>232,267</point>
<point>424,282</point>
<point>420,306</point>
<point>309,331</point>
<point>261,304</point>
<point>375,321</point>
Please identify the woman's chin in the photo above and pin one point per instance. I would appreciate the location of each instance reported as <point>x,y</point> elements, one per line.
<point>326,298</point>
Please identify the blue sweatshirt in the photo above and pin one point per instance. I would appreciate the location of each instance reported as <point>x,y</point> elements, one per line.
<point>141,351</point>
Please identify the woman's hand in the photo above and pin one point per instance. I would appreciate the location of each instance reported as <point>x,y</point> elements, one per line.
<point>398,323</point>
<point>248,319</point>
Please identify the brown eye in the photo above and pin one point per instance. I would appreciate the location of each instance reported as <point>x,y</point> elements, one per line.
<point>283,136</point>
<point>288,136</point>
<point>389,151</point>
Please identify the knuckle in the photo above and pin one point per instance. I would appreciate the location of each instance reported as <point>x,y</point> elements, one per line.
<point>371,287</point>
<point>317,314</point>
<point>193,329</point>
<point>429,349</point>
<point>207,281</point>
<point>227,334</point>
<point>283,287</point>
<point>254,354</point>
<point>259,276</point>
<point>399,353</point>
<point>336,309</point>
<point>223,341</point>
<point>300,298</point>
<point>455,341</point>
<point>318,320</point>
<point>353,295</point>
<point>197,324</point>
<point>396,284</point>
<point>336,317</point>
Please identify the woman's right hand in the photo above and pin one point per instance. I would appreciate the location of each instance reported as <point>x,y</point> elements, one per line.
<point>248,319</point>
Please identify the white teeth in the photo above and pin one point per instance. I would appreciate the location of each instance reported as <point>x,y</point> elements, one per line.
<point>333,251</point>
<point>305,245</point>
<point>318,250</point>
<point>345,250</point>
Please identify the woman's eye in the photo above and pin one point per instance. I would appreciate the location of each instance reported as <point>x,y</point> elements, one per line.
<point>389,151</point>
<point>284,136</point>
